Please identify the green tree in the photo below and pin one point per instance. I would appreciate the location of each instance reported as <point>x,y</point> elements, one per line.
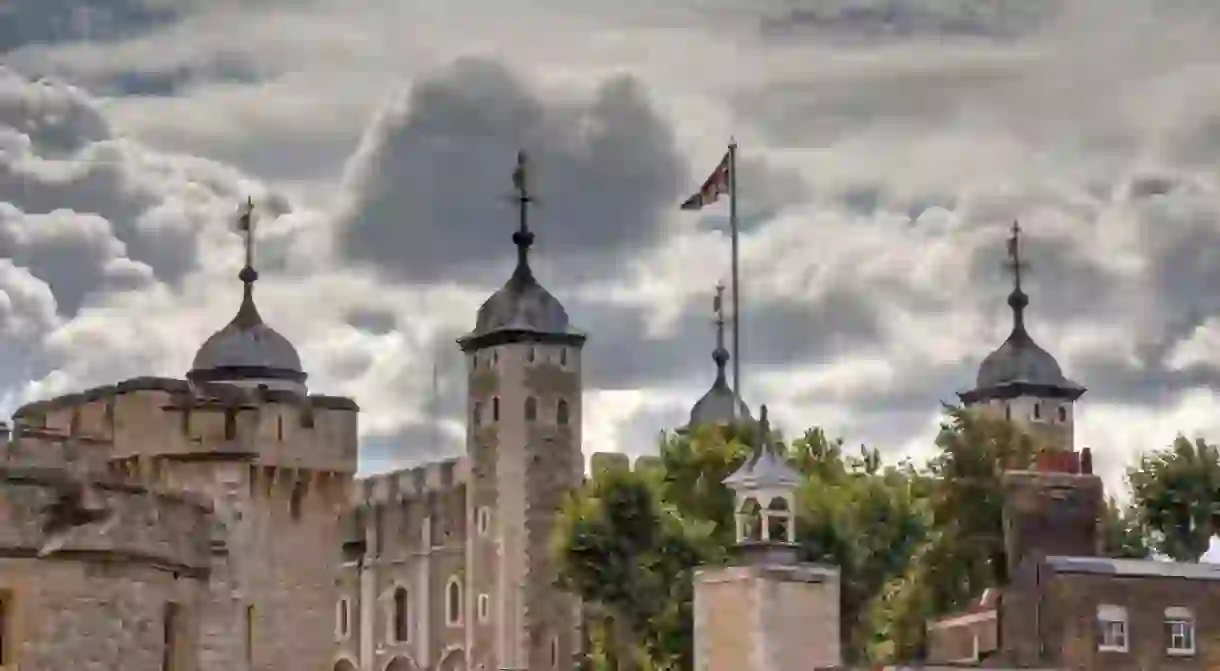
<point>1124,535</point>
<point>1176,492</point>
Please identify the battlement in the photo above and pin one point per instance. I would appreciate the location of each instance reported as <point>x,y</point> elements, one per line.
<point>411,483</point>
<point>167,531</point>
<point>602,461</point>
<point>165,417</point>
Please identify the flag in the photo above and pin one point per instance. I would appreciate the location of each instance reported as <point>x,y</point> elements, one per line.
<point>715,186</point>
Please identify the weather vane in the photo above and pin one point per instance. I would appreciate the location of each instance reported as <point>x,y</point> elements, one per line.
<point>245,224</point>
<point>1015,264</point>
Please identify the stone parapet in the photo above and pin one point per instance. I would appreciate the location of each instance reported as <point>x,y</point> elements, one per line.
<point>167,531</point>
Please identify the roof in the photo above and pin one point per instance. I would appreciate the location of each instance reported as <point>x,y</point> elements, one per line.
<point>1149,568</point>
<point>766,468</point>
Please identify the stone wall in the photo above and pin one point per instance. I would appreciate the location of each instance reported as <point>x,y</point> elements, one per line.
<point>102,599</point>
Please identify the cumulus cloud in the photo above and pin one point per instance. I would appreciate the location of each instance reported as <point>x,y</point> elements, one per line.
<point>886,148</point>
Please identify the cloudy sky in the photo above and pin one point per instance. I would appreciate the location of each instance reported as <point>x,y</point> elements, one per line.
<point>886,145</point>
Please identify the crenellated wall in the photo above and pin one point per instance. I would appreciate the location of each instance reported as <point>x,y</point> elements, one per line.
<point>601,461</point>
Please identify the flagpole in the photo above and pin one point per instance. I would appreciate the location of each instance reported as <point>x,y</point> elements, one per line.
<point>736,284</point>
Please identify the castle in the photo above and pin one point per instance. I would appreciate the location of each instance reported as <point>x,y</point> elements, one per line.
<point>215,523</point>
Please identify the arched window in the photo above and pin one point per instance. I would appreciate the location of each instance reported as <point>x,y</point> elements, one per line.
<point>561,413</point>
<point>495,357</point>
<point>531,409</point>
<point>402,616</point>
<point>555,652</point>
<point>477,415</point>
<point>495,409</point>
<point>342,624</point>
<point>453,602</point>
<point>1063,414</point>
<point>750,520</point>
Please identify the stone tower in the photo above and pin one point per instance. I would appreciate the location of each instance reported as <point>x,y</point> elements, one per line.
<point>1021,381</point>
<point>277,464</point>
<point>721,405</point>
<point>765,611</point>
<point>524,447</point>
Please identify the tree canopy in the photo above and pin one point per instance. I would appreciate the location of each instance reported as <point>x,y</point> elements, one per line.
<point>911,542</point>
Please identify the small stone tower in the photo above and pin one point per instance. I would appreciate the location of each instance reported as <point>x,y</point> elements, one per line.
<point>720,406</point>
<point>524,446</point>
<point>765,611</point>
<point>1021,381</point>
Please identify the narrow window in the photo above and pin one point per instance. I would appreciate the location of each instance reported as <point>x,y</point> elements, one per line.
<point>250,634</point>
<point>1007,412</point>
<point>483,521</point>
<point>279,428</point>
<point>453,603</point>
<point>477,414</point>
<point>1063,414</point>
<point>169,637</point>
<point>555,652</point>
<point>1112,628</point>
<point>495,409</point>
<point>342,624</point>
<point>1037,411</point>
<point>6,617</point>
<point>531,409</point>
<point>563,356</point>
<point>230,424</point>
<point>561,413</point>
<point>530,354</point>
<point>1179,631</point>
<point>402,618</point>
<point>294,501</point>
<point>484,607</point>
<point>495,357</point>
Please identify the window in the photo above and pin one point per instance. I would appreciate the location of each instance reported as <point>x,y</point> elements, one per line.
<point>495,357</point>
<point>563,356</point>
<point>294,501</point>
<point>169,637</point>
<point>1112,628</point>
<point>402,616</point>
<point>555,652</point>
<point>1007,412</point>
<point>530,354</point>
<point>476,415</point>
<point>230,424</point>
<point>342,621</point>
<point>484,607</point>
<point>531,409</point>
<point>453,603</point>
<point>482,521</point>
<point>1063,414</point>
<point>6,620</point>
<point>1179,631</point>
<point>1037,411</point>
<point>249,634</point>
<point>495,409</point>
<point>562,413</point>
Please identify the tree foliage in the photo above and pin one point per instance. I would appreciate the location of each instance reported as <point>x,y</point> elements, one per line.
<point>911,543</point>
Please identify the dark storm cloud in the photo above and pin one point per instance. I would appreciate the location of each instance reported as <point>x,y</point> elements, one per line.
<point>428,188</point>
<point>775,334</point>
<point>906,18</point>
<point>40,22</point>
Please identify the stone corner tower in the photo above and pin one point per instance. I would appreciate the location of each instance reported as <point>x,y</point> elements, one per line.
<point>524,445</point>
<point>766,611</point>
<point>1022,382</point>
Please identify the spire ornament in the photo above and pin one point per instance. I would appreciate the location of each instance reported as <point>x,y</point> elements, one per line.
<point>720,355</point>
<point>247,314</point>
<point>1017,300</point>
<point>523,238</point>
